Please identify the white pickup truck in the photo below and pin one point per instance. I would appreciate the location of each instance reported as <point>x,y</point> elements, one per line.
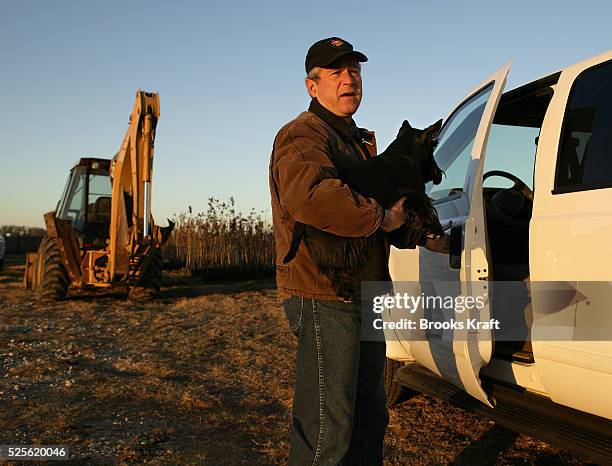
<point>528,197</point>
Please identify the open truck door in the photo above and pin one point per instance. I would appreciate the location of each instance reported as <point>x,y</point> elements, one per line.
<point>456,354</point>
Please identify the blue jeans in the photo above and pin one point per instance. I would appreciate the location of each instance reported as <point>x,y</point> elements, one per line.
<point>339,407</point>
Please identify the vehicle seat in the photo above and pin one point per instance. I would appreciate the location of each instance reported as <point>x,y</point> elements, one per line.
<point>101,210</point>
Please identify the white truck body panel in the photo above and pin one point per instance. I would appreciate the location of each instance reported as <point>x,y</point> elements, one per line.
<point>570,242</point>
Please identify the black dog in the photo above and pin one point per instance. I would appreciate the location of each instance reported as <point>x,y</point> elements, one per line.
<point>401,170</point>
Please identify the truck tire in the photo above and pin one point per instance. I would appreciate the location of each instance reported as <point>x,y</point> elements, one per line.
<point>54,280</point>
<point>148,277</point>
<point>396,393</point>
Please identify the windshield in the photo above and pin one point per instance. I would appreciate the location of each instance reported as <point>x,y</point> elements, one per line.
<point>72,206</point>
<point>456,139</point>
<point>86,197</point>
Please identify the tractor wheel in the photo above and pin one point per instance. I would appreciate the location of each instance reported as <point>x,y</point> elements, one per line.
<point>396,393</point>
<point>54,281</point>
<point>148,277</point>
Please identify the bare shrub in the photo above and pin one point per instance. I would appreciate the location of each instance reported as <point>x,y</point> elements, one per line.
<point>221,241</point>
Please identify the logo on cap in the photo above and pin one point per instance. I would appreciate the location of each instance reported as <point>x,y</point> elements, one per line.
<point>336,43</point>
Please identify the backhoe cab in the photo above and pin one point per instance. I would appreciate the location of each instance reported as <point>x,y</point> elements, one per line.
<point>102,232</point>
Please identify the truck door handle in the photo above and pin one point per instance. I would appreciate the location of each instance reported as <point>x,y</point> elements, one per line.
<point>456,238</point>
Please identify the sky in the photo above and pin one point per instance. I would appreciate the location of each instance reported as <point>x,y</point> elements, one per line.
<point>230,75</point>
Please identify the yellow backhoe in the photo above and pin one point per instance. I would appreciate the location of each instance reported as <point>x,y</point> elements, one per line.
<point>102,233</point>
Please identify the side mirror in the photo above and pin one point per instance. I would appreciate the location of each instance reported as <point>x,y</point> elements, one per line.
<point>456,240</point>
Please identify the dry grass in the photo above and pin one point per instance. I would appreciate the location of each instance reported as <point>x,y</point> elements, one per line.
<point>203,375</point>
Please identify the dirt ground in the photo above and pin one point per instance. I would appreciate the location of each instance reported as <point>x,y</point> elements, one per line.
<point>202,375</point>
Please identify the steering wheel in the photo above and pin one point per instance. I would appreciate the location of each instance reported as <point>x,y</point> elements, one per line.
<point>508,203</point>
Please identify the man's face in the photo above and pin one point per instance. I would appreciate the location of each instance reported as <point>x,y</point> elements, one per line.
<point>338,89</point>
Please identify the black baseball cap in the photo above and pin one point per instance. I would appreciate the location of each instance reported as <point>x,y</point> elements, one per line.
<point>326,51</point>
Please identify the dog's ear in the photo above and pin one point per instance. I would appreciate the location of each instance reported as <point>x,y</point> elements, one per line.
<point>404,128</point>
<point>433,130</point>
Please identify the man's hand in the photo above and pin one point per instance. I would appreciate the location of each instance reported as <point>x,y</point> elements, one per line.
<point>441,245</point>
<point>395,216</point>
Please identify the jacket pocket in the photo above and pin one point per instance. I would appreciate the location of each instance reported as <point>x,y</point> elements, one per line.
<point>322,281</point>
<point>294,310</point>
<point>283,276</point>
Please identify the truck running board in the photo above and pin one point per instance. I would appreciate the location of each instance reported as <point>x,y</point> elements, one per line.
<point>566,428</point>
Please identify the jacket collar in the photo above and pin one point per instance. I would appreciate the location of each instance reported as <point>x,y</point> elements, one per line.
<point>348,131</point>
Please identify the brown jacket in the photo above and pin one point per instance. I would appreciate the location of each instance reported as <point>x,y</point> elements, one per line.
<point>304,186</point>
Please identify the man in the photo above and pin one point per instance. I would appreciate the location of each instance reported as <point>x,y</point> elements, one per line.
<point>339,407</point>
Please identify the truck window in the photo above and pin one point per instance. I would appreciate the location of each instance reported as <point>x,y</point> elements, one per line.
<point>515,131</point>
<point>584,159</point>
<point>511,149</point>
<point>455,144</point>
